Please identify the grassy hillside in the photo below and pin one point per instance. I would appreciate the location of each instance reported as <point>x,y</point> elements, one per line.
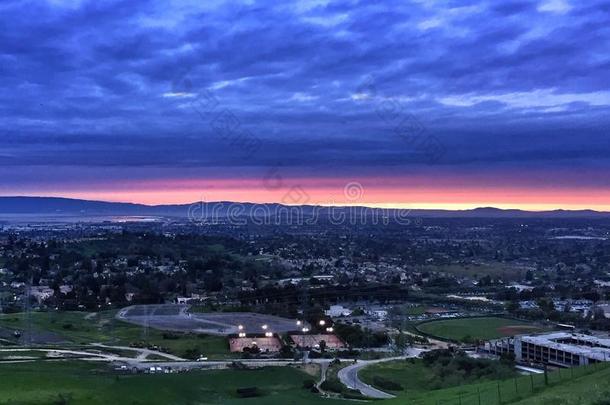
<point>101,327</point>
<point>84,383</point>
<point>588,390</point>
<point>583,385</point>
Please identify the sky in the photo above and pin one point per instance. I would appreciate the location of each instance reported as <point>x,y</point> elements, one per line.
<point>420,104</point>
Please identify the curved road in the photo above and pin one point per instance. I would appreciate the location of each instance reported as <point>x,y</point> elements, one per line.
<point>349,375</point>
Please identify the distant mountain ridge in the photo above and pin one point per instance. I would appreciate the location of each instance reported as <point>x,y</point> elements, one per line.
<point>75,207</point>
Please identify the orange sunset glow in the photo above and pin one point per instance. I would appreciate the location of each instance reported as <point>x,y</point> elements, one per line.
<point>332,192</point>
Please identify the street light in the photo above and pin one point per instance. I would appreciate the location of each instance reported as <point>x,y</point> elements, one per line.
<point>298,323</point>
<point>265,327</point>
<point>322,322</point>
<point>240,327</point>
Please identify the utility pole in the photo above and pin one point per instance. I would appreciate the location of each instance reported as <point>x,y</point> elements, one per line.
<point>499,394</point>
<point>546,376</point>
<point>28,309</point>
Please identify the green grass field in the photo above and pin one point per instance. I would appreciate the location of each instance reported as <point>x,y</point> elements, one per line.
<point>413,377</point>
<point>477,328</point>
<point>85,383</point>
<point>74,382</point>
<point>81,328</point>
<point>582,386</point>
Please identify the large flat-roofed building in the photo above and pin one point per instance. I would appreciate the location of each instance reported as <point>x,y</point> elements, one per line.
<point>562,349</point>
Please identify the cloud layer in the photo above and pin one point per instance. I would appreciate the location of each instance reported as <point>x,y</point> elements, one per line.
<point>98,93</point>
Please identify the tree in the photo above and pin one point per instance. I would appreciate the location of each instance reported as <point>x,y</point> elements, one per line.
<point>512,306</point>
<point>401,342</point>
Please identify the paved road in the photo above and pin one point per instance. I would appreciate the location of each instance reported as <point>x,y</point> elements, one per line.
<point>208,364</point>
<point>59,352</point>
<point>142,353</point>
<point>177,317</point>
<point>323,370</point>
<point>142,364</point>
<point>349,375</point>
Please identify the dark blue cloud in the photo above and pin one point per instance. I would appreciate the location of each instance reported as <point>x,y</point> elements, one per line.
<point>116,84</point>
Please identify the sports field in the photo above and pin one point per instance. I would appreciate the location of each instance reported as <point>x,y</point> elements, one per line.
<point>484,328</point>
<point>265,344</point>
<point>332,341</point>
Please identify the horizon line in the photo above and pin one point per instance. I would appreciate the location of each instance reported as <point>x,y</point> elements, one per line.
<point>391,206</point>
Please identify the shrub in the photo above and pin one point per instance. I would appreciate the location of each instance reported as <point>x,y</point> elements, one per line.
<point>191,354</point>
<point>248,392</point>
<point>354,394</point>
<point>308,384</point>
<point>332,386</point>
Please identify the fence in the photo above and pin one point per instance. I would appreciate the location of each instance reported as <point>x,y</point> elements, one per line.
<point>505,391</point>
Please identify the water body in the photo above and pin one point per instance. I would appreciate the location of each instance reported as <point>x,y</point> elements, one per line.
<point>73,219</point>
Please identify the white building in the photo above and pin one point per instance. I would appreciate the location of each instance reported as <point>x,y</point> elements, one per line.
<point>558,349</point>
<point>335,311</point>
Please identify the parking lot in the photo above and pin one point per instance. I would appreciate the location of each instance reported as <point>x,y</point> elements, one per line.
<point>177,318</point>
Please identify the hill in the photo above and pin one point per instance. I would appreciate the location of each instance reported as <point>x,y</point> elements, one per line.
<point>67,206</point>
